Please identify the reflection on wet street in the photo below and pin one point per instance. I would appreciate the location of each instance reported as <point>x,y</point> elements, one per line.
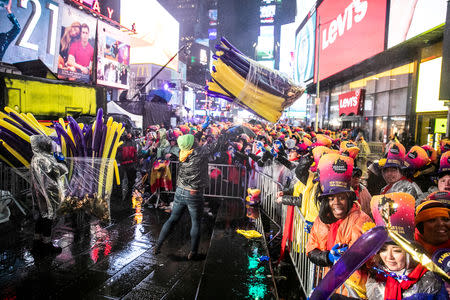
<point>117,261</point>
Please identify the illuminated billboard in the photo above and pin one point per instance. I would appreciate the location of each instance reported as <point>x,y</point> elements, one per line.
<point>113,58</point>
<point>428,86</point>
<point>107,8</point>
<point>35,36</point>
<point>287,49</point>
<point>264,49</point>
<point>304,51</point>
<point>157,35</point>
<point>267,13</point>
<point>408,19</point>
<point>212,13</point>
<point>76,48</point>
<point>351,31</point>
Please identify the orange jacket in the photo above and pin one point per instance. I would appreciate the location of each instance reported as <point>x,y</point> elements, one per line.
<point>348,232</point>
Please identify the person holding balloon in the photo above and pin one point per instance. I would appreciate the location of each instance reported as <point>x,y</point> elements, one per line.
<point>339,223</point>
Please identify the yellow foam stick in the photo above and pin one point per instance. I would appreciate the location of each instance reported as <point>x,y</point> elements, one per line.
<point>6,161</point>
<point>15,130</point>
<point>116,171</point>
<point>5,116</point>
<point>16,154</point>
<point>106,147</point>
<point>116,145</point>
<point>29,122</point>
<point>35,122</point>
<point>20,116</point>
<point>227,73</point>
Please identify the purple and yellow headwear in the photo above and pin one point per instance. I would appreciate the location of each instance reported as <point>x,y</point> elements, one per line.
<point>335,173</point>
<point>416,158</point>
<point>348,148</point>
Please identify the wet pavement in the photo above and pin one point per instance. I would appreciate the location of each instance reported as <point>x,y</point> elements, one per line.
<point>117,261</point>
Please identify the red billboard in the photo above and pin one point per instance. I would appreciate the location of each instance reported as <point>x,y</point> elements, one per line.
<point>351,103</point>
<point>350,32</point>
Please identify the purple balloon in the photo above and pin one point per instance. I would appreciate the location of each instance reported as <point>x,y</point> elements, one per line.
<point>364,248</point>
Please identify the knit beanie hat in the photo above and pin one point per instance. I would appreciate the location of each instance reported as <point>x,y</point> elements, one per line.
<point>185,142</point>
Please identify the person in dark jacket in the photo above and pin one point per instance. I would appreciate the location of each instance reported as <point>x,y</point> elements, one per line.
<point>191,181</point>
<point>127,157</point>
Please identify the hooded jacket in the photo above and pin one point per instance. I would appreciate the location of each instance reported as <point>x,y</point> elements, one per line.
<point>193,172</point>
<point>46,177</point>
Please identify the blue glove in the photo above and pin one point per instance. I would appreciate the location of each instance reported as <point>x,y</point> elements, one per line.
<point>206,124</point>
<point>336,252</point>
<point>247,151</point>
<point>277,144</point>
<point>261,147</point>
<point>308,226</point>
<point>59,157</point>
<point>274,152</point>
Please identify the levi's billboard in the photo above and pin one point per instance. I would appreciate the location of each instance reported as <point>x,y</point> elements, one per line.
<point>351,103</point>
<point>350,32</point>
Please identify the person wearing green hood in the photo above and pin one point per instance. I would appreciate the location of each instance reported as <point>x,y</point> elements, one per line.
<point>191,181</point>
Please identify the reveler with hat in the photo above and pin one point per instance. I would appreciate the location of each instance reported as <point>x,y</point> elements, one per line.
<point>432,221</point>
<point>191,181</point>
<point>391,169</point>
<point>339,223</point>
<point>394,274</point>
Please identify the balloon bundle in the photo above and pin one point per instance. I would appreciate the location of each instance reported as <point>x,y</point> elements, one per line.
<point>262,91</point>
<point>90,152</point>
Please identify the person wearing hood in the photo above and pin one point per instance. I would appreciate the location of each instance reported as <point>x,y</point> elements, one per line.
<point>192,179</point>
<point>339,223</point>
<point>127,158</point>
<point>393,274</point>
<point>47,170</point>
<point>393,176</point>
<point>163,142</point>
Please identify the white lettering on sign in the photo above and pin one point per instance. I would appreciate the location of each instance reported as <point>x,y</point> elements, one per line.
<point>110,12</point>
<point>355,11</point>
<point>348,102</point>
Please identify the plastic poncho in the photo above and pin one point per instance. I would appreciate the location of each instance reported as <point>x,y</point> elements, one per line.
<point>163,142</point>
<point>47,177</point>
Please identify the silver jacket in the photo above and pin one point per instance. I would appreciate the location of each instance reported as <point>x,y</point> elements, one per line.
<point>427,284</point>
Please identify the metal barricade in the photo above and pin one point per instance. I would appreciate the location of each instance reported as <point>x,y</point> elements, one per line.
<point>15,186</point>
<point>308,273</point>
<point>225,181</point>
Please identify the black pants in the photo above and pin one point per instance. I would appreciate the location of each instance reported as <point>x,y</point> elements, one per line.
<point>43,226</point>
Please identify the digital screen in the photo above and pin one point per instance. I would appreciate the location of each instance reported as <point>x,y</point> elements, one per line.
<point>212,13</point>
<point>304,51</point>
<point>38,36</point>
<point>264,48</point>
<point>113,59</point>
<point>157,38</point>
<point>77,45</point>
<point>267,13</point>
<point>108,8</point>
<point>287,48</point>
<point>428,86</point>
<point>352,31</point>
<point>408,18</point>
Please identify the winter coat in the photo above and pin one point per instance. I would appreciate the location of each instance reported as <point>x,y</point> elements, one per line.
<point>404,186</point>
<point>348,232</point>
<point>427,288</point>
<point>193,172</point>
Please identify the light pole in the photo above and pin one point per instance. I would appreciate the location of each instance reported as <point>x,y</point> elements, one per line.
<point>317,100</point>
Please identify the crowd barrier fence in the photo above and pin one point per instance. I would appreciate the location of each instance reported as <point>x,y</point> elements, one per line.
<point>309,274</point>
<point>15,187</point>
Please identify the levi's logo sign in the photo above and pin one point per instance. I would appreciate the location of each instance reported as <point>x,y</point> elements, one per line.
<point>354,12</point>
<point>348,102</point>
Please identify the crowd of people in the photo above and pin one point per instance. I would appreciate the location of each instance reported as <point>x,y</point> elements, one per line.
<point>334,181</point>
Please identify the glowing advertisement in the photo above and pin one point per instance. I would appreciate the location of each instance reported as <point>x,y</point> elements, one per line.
<point>350,32</point>
<point>76,48</point>
<point>157,35</point>
<point>408,18</point>
<point>304,51</point>
<point>267,13</point>
<point>428,87</point>
<point>113,59</point>
<point>107,8</point>
<point>212,13</point>
<point>32,33</point>
<point>264,49</point>
<point>287,49</point>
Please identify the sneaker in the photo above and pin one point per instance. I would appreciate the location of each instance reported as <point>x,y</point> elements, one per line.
<point>192,255</point>
<point>49,248</point>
